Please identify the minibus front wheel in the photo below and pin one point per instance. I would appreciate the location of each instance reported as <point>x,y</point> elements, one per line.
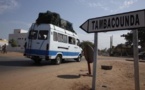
<point>79,58</point>
<point>58,59</point>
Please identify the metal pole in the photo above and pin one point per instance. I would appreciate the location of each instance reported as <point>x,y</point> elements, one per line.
<point>95,61</point>
<point>136,62</point>
<point>111,38</point>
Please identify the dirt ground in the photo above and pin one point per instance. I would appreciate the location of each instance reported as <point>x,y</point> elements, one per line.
<point>121,77</point>
<point>11,54</point>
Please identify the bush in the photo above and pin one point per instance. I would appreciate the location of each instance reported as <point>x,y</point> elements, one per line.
<point>13,43</point>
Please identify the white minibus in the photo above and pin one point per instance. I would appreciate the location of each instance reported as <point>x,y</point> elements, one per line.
<point>50,42</point>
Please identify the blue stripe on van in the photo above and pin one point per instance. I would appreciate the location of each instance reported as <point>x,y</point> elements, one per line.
<point>50,53</point>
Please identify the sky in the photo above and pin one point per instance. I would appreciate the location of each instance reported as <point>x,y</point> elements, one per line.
<point>20,14</point>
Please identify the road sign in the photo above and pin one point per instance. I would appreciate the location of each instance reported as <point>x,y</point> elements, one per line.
<point>123,21</point>
<point>130,20</point>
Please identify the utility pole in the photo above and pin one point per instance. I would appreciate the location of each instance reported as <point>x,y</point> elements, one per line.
<point>111,44</point>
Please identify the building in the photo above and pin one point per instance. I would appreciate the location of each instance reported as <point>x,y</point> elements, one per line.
<point>18,37</point>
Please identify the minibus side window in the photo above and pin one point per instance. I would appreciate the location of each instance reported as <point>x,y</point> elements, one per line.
<point>54,36</point>
<point>71,40</point>
<point>60,37</point>
<point>43,35</point>
<point>33,34</point>
<point>65,38</point>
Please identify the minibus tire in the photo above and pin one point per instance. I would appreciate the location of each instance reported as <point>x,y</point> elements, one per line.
<point>58,59</point>
<point>79,58</point>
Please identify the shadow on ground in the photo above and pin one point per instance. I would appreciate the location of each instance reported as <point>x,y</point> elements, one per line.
<point>133,60</point>
<point>69,76</point>
<point>28,63</point>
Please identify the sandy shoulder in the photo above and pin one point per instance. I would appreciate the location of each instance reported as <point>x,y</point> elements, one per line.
<point>9,54</point>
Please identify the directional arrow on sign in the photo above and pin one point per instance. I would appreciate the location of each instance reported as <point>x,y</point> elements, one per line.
<point>85,26</point>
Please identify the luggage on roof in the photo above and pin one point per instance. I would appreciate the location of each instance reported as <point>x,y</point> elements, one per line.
<point>55,19</point>
<point>48,17</point>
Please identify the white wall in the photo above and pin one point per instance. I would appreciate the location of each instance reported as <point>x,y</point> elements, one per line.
<point>19,36</point>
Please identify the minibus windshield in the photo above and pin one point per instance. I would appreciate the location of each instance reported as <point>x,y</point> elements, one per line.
<point>43,35</point>
<point>33,34</point>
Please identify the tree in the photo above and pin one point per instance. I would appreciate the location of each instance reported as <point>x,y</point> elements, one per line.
<point>13,43</point>
<point>141,38</point>
<point>83,43</point>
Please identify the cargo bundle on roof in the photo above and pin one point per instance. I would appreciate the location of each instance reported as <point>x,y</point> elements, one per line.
<point>55,19</point>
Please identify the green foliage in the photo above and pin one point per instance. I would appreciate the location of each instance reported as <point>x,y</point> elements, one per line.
<point>128,37</point>
<point>13,43</point>
<point>104,50</point>
<point>141,38</point>
<point>82,44</point>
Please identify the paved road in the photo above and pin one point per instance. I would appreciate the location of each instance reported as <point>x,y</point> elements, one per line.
<point>21,63</point>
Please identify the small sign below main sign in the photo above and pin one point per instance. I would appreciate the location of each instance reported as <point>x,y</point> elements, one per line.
<point>129,20</point>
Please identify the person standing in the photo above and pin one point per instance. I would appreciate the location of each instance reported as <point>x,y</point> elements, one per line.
<point>0,48</point>
<point>4,49</point>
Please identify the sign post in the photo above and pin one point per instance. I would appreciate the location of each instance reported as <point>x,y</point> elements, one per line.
<point>136,63</point>
<point>95,61</point>
<point>123,21</point>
